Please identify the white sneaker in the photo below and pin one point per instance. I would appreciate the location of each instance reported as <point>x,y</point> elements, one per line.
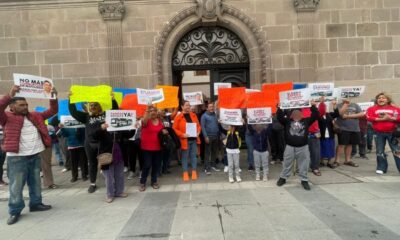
<point>265,178</point>
<point>240,170</point>
<point>226,169</point>
<point>125,169</point>
<point>257,177</point>
<point>64,170</point>
<point>140,175</point>
<point>380,172</point>
<point>215,169</point>
<point>231,180</point>
<point>238,179</point>
<point>131,175</point>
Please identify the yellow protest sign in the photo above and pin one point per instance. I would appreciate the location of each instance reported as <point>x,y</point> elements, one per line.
<point>100,94</point>
<point>118,97</point>
<point>170,97</point>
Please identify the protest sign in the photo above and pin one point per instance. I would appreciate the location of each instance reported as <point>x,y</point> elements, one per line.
<point>219,85</point>
<point>259,115</point>
<point>31,86</point>
<point>170,97</point>
<point>299,85</point>
<point>125,91</point>
<point>63,109</point>
<point>70,122</point>
<point>149,96</point>
<point>295,99</point>
<point>231,116</point>
<point>351,91</point>
<point>365,105</point>
<point>191,129</point>
<point>194,98</point>
<point>120,120</point>
<point>276,88</point>
<point>100,94</point>
<point>249,90</point>
<point>130,102</point>
<point>318,90</point>
<point>232,98</point>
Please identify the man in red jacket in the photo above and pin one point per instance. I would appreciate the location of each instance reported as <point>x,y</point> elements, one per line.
<point>25,136</point>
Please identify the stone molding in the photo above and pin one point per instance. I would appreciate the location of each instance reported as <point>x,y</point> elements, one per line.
<point>112,10</point>
<point>306,5</point>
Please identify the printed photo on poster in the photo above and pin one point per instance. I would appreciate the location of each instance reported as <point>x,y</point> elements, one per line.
<point>221,85</point>
<point>191,129</point>
<point>34,86</point>
<point>365,105</point>
<point>318,90</point>
<point>259,115</point>
<point>295,99</point>
<point>352,91</point>
<point>120,120</point>
<point>70,122</point>
<point>194,98</point>
<point>231,116</point>
<point>149,96</point>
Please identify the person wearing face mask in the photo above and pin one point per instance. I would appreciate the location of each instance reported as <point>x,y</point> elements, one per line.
<point>296,137</point>
<point>384,118</point>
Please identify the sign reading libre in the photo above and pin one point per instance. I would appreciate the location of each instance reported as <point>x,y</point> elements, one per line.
<point>259,115</point>
<point>120,120</point>
<point>34,86</point>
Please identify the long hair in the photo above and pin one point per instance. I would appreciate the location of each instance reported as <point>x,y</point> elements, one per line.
<point>389,98</point>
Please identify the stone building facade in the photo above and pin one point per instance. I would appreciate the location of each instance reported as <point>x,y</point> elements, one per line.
<point>350,42</point>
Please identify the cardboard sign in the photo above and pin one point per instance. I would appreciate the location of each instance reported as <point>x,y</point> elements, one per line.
<point>365,105</point>
<point>34,86</point>
<point>221,85</point>
<point>231,116</point>
<point>232,98</point>
<point>149,96</point>
<point>318,90</point>
<point>194,98</point>
<point>259,115</point>
<point>295,99</point>
<point>170,97</point>
<point>120,120</point>
<point>130,102</point>
<point>352,91</point>
<point>70,122</point>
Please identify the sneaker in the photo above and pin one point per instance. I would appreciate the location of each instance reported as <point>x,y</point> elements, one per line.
<point>238,179</point>
<point>109,200</point>
<point>140,175</point>
<point>265,178</point>
<point>272,162</point>
<point>131,175</point>
<point>64,170</point>
<point>240,170</point>
<point>125,169</point>
<point>61,164</point>
<point>251,168</point>
<point>380,172</point>
<point>73,180</point>
<point>281,182</point>
<point>226,169</point>
<point>52,186</point>
<point>258,177</point>
<point>92,188</point>
<point>305,185</point>
<point>2,184</point>
<point>231,180</point>
<point>194,175</point>
<point>215,169</point>
<point>185,176</point>
<point>207,172</point>
<point>364,157</point>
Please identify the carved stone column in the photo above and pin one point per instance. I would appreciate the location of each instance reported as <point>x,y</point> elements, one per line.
<point>112,13</point>
<point>306,5</point>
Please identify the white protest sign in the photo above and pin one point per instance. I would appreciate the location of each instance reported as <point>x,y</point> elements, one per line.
<point>191,129</point>
<point>365,105</point>
<point>194,98</point>
<point>259,115</point>
<point>231,116</point>
<point>34,86</point>
<point>221,85</point>
<point>149,96</point>
<point>351,91</point>
<point>120,120</point>
<point>299,98</point>
<point>70,122</point>
<point>318,90</point>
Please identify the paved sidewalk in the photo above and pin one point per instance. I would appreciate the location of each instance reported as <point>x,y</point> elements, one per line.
<point>345,203</point>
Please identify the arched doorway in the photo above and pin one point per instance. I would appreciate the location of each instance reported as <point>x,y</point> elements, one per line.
<point>216,50</point>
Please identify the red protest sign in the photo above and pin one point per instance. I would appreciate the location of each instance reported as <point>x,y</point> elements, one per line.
<point>130,102</point>
<point>232,98</point>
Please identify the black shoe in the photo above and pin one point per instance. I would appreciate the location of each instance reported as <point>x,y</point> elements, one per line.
<point>92,189</point>
<point>40,208</point>
<point>281,182</point>
<point>73,180</point>
<point>251,168</point>
<point>305,185</point>
<point>13,219</point>
<point>84,179</point>
<point>208,172</point>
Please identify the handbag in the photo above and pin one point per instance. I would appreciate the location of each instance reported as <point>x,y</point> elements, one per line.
<point>105,158</point>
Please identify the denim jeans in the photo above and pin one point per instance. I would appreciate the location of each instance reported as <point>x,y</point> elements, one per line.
<point>57,152</point>
<point>191,153</point>
<point>250,149</point>
<point>211,151</point>
<point>21,170</point>
<point>381,156</point>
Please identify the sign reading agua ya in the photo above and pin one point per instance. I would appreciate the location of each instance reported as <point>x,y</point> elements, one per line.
<point>352,91</point>
<point>259,115</point>
<point>120,120</point>
<point>34,86</point>
<point>295,99</point>
<point>221,85</point>
<point>318,90</point>
<point>149,96</point>
<point>231,116</point>
<point>194,98</point>
<point>70,122</point>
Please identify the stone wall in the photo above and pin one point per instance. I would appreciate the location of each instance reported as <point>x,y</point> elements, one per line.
<point>351,42</point>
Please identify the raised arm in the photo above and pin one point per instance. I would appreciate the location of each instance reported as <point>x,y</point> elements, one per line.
<point>78,115</point>
<point>53,110</point>
<point>281,117</point>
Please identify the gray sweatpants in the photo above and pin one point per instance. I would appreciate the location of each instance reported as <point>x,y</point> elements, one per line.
<point>302,155</point>
<point>261,159</point>
<point>233,164</point>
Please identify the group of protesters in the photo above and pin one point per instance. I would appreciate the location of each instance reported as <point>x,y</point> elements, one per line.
<point>299,139</point>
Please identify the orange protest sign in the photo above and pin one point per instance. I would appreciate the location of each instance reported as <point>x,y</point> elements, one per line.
<point>130,102</point>
<point>260,100</point>
<point>170,97</point>
<point>232,98</point>
<point>276,88</point>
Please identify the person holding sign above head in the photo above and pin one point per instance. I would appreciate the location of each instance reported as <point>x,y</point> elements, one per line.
<point>296,137</point>
<point>25,136</point>
<point>92,119</point>
<point>187,127</point>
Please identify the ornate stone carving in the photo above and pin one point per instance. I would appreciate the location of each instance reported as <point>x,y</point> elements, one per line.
<point>306,5</point>
<point>112,10</point>
<point>209,11</point>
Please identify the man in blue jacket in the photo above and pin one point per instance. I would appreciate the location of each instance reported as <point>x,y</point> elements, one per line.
<point>210,130</point>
